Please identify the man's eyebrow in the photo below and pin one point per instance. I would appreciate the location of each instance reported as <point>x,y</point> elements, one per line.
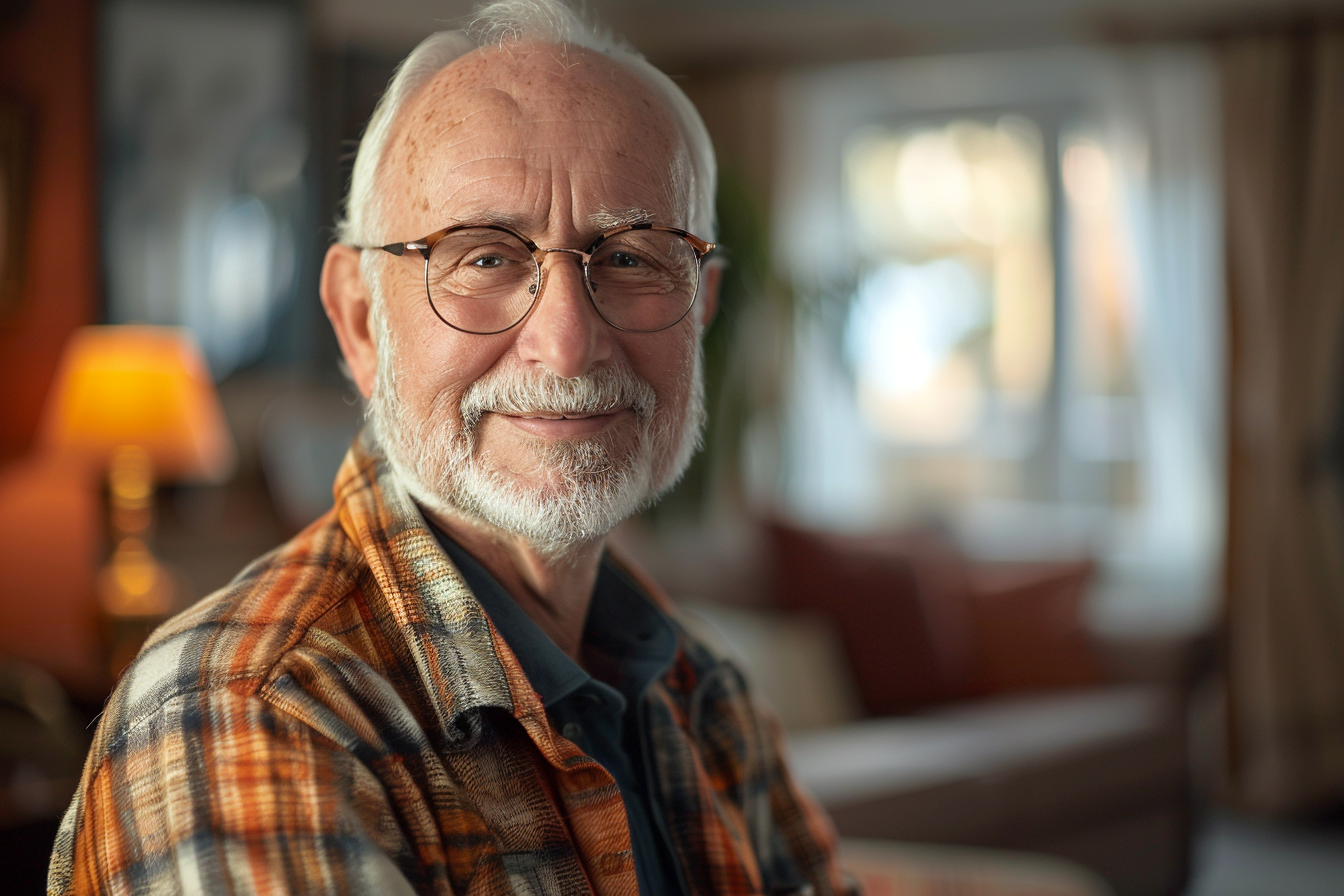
<point>513,222</point>
<point>602,219</point>
<point>607,218</point>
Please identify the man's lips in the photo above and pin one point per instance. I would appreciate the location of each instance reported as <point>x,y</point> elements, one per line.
<point>564,426</point>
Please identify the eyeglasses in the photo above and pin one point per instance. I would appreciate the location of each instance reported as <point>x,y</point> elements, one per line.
<point>484,278</point>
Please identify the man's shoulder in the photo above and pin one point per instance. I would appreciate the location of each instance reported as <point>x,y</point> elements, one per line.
<point>235,638</point>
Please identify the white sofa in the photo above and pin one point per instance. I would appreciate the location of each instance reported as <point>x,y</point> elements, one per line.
<point>1098,776</point>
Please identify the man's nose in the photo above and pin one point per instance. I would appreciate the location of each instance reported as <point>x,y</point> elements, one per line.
<point>564,332</point>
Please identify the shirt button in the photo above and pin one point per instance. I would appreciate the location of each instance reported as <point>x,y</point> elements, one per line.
<point>572,731</point>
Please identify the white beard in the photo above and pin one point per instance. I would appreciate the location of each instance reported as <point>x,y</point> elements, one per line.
<point>580,488</point>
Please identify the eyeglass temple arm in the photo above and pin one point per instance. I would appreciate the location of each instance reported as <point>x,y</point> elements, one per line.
<point>701,247</point>
<point>397,249</point>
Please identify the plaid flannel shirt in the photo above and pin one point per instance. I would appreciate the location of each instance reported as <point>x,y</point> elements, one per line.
<point>343,718</point>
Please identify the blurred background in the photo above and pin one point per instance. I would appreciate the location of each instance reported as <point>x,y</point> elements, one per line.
<point>1022,499</point>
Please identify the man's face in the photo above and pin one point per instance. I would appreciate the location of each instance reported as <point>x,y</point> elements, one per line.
<point>562,425</point>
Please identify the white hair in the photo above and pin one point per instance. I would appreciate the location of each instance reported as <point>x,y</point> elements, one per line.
<point>497,24</point>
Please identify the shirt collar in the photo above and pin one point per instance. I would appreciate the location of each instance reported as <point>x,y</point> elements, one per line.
<point>417,595</point>
<point>435,624</point>
<point>622,623</point>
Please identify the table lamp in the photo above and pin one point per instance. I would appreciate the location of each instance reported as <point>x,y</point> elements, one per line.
<point>137,402</point>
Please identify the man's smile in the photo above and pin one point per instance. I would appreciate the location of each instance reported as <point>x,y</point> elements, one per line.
<point>565,426</point>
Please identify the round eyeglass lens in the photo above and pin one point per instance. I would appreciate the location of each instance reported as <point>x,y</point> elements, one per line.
<point>481,280</point>
<point>643,280</point>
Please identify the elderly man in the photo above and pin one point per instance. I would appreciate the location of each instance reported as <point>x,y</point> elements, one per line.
<point>447,684</point>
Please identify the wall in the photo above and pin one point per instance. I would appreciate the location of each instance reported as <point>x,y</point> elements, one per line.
<point>49,516</point>
<point>47,66</point>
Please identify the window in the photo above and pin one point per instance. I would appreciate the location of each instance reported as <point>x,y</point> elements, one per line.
<point>1010,306</point>
<point>950,329</point>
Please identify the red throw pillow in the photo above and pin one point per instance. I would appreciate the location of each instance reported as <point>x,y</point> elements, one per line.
<point>1029,629</point>
<point>900,604</point>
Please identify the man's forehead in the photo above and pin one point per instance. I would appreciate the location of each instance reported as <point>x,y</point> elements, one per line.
<point>499,110</point>
<point>534,82</point>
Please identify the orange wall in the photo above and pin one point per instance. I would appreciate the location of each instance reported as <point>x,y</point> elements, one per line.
<point>47,65</point>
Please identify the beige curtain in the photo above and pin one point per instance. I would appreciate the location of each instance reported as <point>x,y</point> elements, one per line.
<point>1283,108</point>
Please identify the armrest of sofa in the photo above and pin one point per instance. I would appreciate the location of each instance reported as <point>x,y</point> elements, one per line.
<point>922,869</point>
<point>1178,658</point>
<point>1099,776</point>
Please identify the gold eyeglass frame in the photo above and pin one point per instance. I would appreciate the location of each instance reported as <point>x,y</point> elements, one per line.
<point>425,245</point>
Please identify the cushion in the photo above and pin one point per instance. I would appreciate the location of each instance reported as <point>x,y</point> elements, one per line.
<point>900,603</point>
<point>922,626</point>
<point>794,661</point>
<point>1029,629</point>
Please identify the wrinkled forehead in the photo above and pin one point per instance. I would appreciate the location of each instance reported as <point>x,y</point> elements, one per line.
<point>521,96</point>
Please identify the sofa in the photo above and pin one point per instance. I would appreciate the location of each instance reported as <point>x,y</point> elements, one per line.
<point>930,699</point>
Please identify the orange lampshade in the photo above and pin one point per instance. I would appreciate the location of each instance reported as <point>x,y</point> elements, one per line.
<point>139,386</point>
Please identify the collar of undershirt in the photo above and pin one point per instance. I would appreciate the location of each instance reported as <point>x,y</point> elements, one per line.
<point>623,627</point>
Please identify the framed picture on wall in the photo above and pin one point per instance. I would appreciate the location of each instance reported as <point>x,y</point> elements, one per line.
<point>14,181</point>
<point>205,196</point>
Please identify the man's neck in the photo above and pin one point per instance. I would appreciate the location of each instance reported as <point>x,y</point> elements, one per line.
<point>554,592</point>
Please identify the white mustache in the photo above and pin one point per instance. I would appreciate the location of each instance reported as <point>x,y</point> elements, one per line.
<point>601,391</point>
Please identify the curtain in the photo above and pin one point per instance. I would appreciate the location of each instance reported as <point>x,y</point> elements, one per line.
<point>1283,108</point>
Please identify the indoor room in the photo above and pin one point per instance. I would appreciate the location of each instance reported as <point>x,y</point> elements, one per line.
<point>1019,499</point>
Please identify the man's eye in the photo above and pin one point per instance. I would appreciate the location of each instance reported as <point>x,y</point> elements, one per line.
<point>624,260</point>
<point>488,261</point>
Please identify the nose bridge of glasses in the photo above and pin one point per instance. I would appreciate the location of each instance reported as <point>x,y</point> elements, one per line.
<point>581,255</point>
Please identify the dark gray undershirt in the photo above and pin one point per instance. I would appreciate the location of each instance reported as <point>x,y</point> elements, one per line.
<point>627,644</point>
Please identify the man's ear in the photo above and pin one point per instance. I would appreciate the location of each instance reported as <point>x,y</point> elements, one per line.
<point>347,301</point>
<point>707,294</point>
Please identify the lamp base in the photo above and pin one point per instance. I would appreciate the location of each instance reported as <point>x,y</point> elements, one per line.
<point>136,594</point>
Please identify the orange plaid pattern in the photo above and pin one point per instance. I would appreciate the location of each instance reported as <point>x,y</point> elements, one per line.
<point>343,718</point>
